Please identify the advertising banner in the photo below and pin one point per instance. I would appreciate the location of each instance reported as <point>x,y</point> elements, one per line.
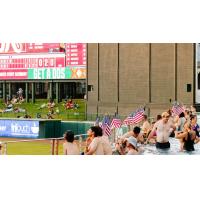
<point>22,128</point>
<point>22,61</point>
<point>57,73</point>
<point>12,48</point>
<point>20,66</point>
<point>76,54</point>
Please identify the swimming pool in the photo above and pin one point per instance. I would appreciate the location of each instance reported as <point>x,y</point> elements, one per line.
<point>174,149</point>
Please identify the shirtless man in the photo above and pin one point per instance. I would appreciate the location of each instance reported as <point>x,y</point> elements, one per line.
<point>163,129</point>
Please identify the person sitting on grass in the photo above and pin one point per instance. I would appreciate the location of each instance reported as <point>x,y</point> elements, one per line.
<point>75,106</point>
<point>44,105</point>
<point>51,104</point>
<point>26,116</point>
<point>9,107</point>
<point>49,116</point>
<point>69,105</point>
<point>19,110</point>
<point>14,100</point>
<point>69,146</point>
<point>21,100</point>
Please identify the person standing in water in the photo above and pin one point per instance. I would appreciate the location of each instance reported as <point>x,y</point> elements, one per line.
<point>186,137</point>
<point>163,129</point>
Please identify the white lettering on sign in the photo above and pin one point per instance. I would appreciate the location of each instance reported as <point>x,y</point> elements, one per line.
<point>74,50</point>
<point>41,73</point>
<point>20,73</point>
<point>38,73</point>
<point>2,128</point>
<point>40,62</point>
<point>58,73</point>
<point>46,62</point>
<point>10,73</point>
<point>5,47</point>
<point>74,54</point>
<point>2,73</point>
<point>15,128</point>
<point>51,62</point>
<point>48,74</point>
<point>74,58</point>
<point>62,73</point>
<point>74,63</point>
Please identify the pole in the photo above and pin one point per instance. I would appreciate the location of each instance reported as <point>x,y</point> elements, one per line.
<point>27,97</point>
<point>9,91</point>
<point>5,148</point>
<point>52,146</point>
<point>57,92</point>
<point>4,91</point>
<point>56,146</point>
<point>33,92</point>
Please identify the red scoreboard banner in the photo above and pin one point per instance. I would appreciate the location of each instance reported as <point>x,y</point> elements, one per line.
<point>76,54</point>
<point>31,66</point>
<point>24,61</point>
<point>12,48</point>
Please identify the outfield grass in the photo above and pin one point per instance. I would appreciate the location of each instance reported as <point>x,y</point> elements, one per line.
<point>33,148</point>
<point>33,108</point>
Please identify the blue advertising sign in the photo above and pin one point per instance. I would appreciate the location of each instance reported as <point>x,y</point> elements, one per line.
<point>19,128</point>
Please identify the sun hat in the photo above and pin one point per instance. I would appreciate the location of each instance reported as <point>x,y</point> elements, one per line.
<point>133,141</point>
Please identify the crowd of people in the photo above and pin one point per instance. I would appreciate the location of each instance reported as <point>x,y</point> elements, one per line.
<point>69,104</point>
<point>182,127</point>
<point>11,103</point>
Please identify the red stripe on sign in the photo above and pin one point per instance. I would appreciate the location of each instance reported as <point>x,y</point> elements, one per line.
<point>14,74</point>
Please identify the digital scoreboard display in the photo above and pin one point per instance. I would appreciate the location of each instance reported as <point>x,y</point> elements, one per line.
<point>27,61</point>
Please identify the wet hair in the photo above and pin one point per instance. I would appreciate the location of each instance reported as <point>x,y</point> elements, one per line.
<point>136,130</point>
<point>169,112</point>
<point>192,117</point>
<point>69,136</point>
<point>97,131</point>
<point>187,112</point>
<point>158,117</point>
<point>145,117</point>
<point>182,115</point>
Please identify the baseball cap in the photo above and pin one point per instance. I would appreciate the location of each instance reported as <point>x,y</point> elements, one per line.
<point>133,141</point>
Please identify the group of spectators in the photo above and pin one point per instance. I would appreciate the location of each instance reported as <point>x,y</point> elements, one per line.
<point>69,104</point>
<point>183,127</point>
<point>10,104</point>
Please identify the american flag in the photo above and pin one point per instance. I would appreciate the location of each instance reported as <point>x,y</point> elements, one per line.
<point>128,120</point>
<point>177,109</point>
<point>135,117</point>
<point>116,123</point>
<point>96,123</point>
<point>106,126</point>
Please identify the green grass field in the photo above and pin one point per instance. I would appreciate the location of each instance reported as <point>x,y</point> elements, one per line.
<point>32,148</point>
<point>38,147</point>
<point>60,112</point>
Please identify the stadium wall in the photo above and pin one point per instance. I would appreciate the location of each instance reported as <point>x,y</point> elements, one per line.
<point>123,77</point>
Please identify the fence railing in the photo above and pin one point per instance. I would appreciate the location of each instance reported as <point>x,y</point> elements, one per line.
<point>53,146</point>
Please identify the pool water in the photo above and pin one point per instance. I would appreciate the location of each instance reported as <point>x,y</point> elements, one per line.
<point>174,149</point>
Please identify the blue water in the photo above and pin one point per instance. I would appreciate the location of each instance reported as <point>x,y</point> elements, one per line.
<point>174,149</point>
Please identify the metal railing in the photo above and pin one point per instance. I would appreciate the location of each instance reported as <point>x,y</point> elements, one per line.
<point>54,147</point>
